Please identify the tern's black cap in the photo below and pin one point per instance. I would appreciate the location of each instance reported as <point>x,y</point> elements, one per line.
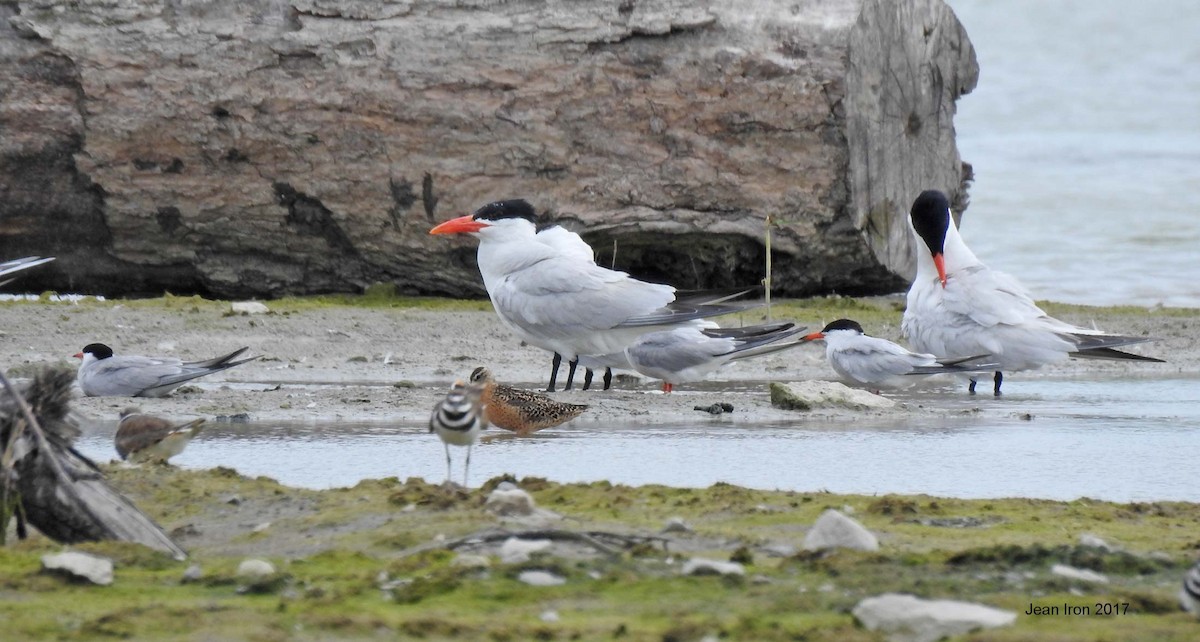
<point>513,208</point>
<point>931,219</point>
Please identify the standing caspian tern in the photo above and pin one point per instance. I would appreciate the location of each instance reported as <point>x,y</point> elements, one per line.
<point>560,303</point>
<point>878,363</point>
<point>105,375</point>
<point>685,354</point>
<point>957,305</point>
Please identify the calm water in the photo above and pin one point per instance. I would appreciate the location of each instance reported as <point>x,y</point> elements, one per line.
<point>1115,439</point>
<point>1084,132</point>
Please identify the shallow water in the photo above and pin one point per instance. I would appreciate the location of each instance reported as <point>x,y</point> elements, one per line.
<point>1117,439</point>
<point>1084,132</point>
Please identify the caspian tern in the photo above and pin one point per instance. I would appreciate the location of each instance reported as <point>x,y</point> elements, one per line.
<point>17,265</point>
<point>105,375</point>
<point>878,363</point>
<point>458,419</point>
<point>145,438</point>
<point>685,354</point>
<point>521,411</point>
<point>957,305</point>
<point>571,245</point>
<point>557,301</point>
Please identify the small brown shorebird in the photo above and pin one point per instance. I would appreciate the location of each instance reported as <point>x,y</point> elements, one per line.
<point>521,411</point>
<point>145,438</point>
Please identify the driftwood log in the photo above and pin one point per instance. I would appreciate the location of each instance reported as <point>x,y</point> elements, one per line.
<point>58,490</point>
<point>289,146</point>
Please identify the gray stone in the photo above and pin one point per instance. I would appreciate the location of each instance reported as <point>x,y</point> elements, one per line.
<point>254,568</point>
<point>97,570</point>
<point>193,573</point>
<point>248,307</point>
<point>468,560</point>
<point>817,395</point>
<point>515,550</point>
<point>541,578</point>
<point>1078,574</point>
<point>509,502</point>
<point>1095,541</point>
<point>702,566</point>
<point>834,530</point>
<point>676,525</point>
<point>217,171</point>
<point>905,618</point>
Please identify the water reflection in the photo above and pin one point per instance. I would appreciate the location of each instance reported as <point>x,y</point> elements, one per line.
<point>1117,439</point>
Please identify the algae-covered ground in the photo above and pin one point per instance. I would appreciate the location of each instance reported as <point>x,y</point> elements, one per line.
<point>378,561</point>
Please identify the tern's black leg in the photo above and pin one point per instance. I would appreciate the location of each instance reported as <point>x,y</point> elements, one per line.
<point>554,364</point>
<point>999,379</point>
<point>571,373</point>
<point>587,378</point>
<point>607,378</point>
<point>971,388</point>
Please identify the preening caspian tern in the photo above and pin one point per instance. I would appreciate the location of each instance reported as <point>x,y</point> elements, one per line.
<point>959,306</point>
<point>458,419</point>
<point>878,363</point>
<point>558,302</point>
<point>685,354</point>
<point>146,438</point>
<point>105,375</point>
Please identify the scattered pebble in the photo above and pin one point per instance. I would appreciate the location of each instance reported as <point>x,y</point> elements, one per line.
<point>1094,541</point>
<point>261,527</point>
<point>541,578</point>
<point>235,500</point>
<point>97,570</point>
<point>509,501</point>
<point>549,617</point>
<point>193,573</point>
<point>676,525</point>
<point>1078,574</point>
<point>255,568</point>
<point>470,560</point>
<point>716,408</point>
<point>515,550</point>
<point>835,530</point>
<point>913,619</point>
<point>702,566</point>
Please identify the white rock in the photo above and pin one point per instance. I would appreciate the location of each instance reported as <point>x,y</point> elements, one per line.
<point>248,307</point>
<point>1094,541</point>
<point>905,618</point>
<point>193,573</point>
<point>676,525</point>
<point>1080,574</point>
<point>702,566</point>
<point>541,578</point>
<point>469,560</point>
<point>508,502</point>
<point>516,551</point>
<point>261,527</point>
<point>811,395</point>
<point>255,568</point>
<point>97,570</point>
<point>549,617</point>
<point>835,530</point>
<point>779,550</point>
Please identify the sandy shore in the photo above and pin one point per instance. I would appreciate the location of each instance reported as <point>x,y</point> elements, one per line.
<point>392,364</point>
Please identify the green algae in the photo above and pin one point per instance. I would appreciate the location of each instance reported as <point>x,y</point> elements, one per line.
<point>365,561</point>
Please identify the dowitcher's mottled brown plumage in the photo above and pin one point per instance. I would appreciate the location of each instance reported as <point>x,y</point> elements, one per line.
<point>521,411</point>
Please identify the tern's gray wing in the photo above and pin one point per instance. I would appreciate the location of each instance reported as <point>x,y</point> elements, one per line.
<point>127,375</point>
<point>677,350</point>
<point>560,297</point>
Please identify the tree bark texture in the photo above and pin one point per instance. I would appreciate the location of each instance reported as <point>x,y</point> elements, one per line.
<point>272,147</point>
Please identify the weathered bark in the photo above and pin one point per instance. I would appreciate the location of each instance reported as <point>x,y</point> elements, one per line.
<point>269,147</point>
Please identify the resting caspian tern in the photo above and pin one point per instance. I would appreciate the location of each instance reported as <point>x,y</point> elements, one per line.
<point>557,301</point>
<point>458,419</point>
<point>142,438</point>
<point>957,305</point>
<point>105,375</point>
<point>685,354</point>
<point>17,265</point>
<point>878,363</point>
